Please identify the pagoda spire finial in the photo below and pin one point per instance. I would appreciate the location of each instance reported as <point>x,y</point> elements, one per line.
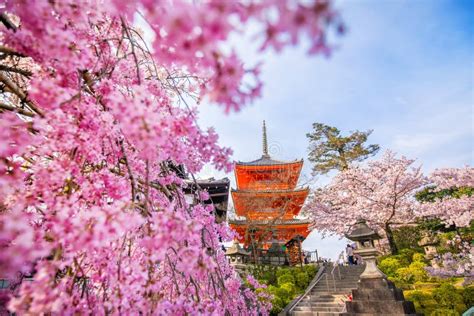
<point>265,144</point>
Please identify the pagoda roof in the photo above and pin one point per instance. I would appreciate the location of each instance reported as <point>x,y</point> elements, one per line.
<point>266,230</point>
<point>274,192</point>
<point>277,222</point>
<point>269,203</point>
<point>266,160</point>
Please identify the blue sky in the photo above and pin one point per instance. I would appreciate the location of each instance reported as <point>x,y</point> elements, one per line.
<point>404,69</point>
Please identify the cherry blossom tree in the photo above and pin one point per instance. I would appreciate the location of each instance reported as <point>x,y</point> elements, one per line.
<point>93,121</point>
<point>382,192</point>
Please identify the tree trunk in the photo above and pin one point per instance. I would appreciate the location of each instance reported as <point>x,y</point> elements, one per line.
<point>391,240</point>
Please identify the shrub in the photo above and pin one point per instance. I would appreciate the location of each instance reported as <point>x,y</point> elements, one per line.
<point>418,257</point>
<point>448,297</point>
<point>425,286</point>
<point>413,273</point>
<point>302,280</point>
<point>421,299</point>
<point>290,288</point>
<point>468,296</point>
<point>405,257</point>
<point>401,284</point>
<point>282,271</point>
<point>311,271</point>
<point>444,312</point>
<point>389,266</point>
<point>408,237</point>
<point>277,305</point>
<point>286,278</point>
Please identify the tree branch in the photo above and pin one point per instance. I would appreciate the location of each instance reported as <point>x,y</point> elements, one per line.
<point>21,111</point>
<point>19,93</point>
<point>23,72</point>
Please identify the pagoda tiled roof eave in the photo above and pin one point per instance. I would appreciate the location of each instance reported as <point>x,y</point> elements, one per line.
<point>269,191</point>
<point>270,221</point>
<point>267,161</point>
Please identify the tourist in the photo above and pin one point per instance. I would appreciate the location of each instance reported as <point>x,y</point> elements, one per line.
<point>350,254</point>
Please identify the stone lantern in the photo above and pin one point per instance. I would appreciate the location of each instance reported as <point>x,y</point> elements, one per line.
<point>375,295</point>
<point>364,236</point>
<point>237,255</point>
<point>429,242</point>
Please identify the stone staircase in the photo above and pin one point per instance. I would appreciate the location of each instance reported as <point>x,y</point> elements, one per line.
<point>328,296</point>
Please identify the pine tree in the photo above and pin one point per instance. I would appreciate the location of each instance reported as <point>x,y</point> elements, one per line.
<point>330,150</point>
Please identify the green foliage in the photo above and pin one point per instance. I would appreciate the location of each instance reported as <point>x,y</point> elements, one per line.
<point>310,270</point>
<point>429,286</point>
<point>422,300</point>
<point>302,279</point>
<point>284,283</point>
<point>405,257</point>
<point>468,296</point>
<point>431,296</point>
<point>389,266</point>
<point>433,225</point>
<point>278,304</point>
<point>444,312</point>
<point>448,297</point>
<point>282,271</point>
<point>289,287</point>
<point>408,237</point>
<point>444,245</point>
<point>418,257</point>
<point>329,150</point>
<point>286,278</point>
<point>415,272</point>
<point>431,194</point>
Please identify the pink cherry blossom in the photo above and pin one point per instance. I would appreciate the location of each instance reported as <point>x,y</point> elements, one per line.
<point>91,133</point>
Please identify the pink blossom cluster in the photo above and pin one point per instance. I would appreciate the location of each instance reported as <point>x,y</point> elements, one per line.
<point>447,178</point>
<point>89,203</point>
<point>459,264</point>
<point>452,210</point>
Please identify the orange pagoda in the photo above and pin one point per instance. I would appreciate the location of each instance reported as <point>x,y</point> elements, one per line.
<point>267,202</point>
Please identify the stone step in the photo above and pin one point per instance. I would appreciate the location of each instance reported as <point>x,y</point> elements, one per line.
<point>321,303</point>
<point>306,313</point>
<point>327,298</point>
<point>334,309</point>
<point>337,292</point>
<point>302,313</point>
<point>341,285</point>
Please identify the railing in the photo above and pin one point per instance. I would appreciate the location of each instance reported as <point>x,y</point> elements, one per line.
<point>336,266</point>
<point>292,305</point>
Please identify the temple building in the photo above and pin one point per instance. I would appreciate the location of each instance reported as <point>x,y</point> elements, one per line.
<point>267,203</point>
<point>218,190</point>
